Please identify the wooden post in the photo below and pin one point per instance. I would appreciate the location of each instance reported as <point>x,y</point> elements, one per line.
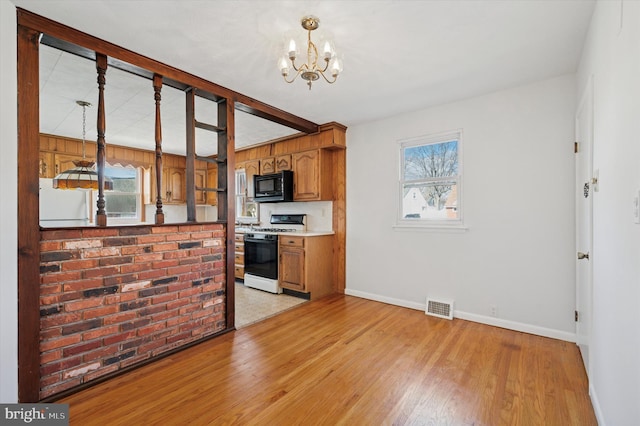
<point>190,155</point>
<point>28,217</point>
<point>101,67</point>
<point>157,87</point>
<point>226,199</point>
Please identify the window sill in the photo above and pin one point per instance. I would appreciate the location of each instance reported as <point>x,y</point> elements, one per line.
<point>457,228</point>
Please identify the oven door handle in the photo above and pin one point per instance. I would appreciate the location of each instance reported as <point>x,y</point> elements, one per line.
<point>258,241</point>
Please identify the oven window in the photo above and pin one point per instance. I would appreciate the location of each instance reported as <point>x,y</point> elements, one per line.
<point>261,258</point>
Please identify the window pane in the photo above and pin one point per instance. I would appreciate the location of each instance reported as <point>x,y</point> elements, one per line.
<point>124,179</point>
<point>429,161</point>
<point>120,204</point>
<point>430,200</point>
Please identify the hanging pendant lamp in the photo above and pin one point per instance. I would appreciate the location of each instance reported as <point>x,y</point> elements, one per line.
<point>84,174</point>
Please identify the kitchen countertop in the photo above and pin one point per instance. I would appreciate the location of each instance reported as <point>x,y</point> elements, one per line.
<point>243,230</point>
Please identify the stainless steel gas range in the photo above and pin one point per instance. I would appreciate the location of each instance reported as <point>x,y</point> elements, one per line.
<point>261,251</point>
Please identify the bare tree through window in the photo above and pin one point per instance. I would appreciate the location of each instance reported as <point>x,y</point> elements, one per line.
<point>430,179</point>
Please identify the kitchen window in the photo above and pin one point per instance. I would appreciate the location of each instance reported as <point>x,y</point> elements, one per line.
<point>430,186</point>
<point>123,203</point>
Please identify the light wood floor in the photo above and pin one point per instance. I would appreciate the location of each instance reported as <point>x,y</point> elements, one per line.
<point>344,360</point>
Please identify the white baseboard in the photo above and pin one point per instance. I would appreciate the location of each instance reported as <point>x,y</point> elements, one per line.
<point>517,326</point>
<point>384,299</point>
<point>596,406</point>
<point>483,319</point>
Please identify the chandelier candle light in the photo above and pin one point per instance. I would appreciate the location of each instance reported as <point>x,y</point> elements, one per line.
<point>310,70</point>
<point>83,175</point>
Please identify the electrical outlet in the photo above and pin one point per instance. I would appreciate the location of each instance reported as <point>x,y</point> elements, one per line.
<point>636,208</point>
<point>493,309</point>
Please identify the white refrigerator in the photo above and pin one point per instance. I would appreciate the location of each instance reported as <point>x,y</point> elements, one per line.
<point>64,207</point>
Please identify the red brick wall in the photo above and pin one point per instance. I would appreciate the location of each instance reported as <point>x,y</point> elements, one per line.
<point>113,297</point>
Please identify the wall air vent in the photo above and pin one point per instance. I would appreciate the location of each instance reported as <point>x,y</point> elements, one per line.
<point>440,308</point>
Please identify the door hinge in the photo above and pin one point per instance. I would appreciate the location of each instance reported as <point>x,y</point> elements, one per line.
<point>575,147</point>
<point>575,315</point>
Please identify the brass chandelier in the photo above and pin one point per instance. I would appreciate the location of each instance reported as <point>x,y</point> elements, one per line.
<point>311,70</point>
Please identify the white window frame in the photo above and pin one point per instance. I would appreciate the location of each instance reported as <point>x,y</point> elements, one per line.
<point>425,223</point>
<point>139,205</point>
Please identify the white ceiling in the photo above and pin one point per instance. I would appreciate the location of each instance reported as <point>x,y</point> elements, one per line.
<point>398,56</point>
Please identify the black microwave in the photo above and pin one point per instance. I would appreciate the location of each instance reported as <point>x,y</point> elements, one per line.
<point>274,187</point>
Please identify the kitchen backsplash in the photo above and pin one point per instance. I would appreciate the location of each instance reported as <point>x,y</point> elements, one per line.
<point>319,213</point>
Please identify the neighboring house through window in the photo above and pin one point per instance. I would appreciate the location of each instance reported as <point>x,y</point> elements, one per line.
<point>431,180</point>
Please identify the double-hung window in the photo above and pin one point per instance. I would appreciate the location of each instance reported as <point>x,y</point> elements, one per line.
<point>430,184</point>
<point>123,203</point>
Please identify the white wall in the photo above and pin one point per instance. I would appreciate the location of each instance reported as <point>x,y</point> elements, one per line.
<point>518,252</point>
<point>8,212</point>
<point>612,57</point>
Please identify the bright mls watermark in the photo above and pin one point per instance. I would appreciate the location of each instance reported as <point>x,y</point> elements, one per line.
<point>34,414</point>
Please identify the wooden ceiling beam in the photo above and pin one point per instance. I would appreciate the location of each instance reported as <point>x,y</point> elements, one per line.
<point>148,67</point>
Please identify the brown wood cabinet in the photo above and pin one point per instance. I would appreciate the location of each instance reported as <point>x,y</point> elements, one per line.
<point>267,166</point>
<point>46,168</point>
<point>65,162</point>
<point>239,256</point>
<point>275,164</point>
<point>174,185</point>
<point>251,168</point>
<point>305,264</point>
<point>212,182</point>
<point>201,182</point>
<point>292,265</point>
<point>283,162</point>
<point>312,175</point>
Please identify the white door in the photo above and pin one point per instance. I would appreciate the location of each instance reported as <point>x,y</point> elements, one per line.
<point>585,188</point>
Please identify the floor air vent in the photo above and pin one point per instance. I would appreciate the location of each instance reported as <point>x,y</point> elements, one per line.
<point>439,308</point>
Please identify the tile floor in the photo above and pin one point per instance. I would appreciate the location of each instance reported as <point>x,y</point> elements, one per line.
<point>254,305</point>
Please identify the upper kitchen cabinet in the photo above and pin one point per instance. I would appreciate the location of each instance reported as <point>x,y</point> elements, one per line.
<point>212,182</point>
<point>267,166</point>
<point>65,162</point>
<point>317,160</point>
<point>46,168</point>
<point>283,162</point>
<point>275,164</point>
<point>312,173</point>
<point>251,168</point>
<point>174,185</point>
<point>200,178</point>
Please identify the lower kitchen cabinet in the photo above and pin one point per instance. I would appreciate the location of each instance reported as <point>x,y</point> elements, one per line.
<point>239,256</point>
<point>305,264</point>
